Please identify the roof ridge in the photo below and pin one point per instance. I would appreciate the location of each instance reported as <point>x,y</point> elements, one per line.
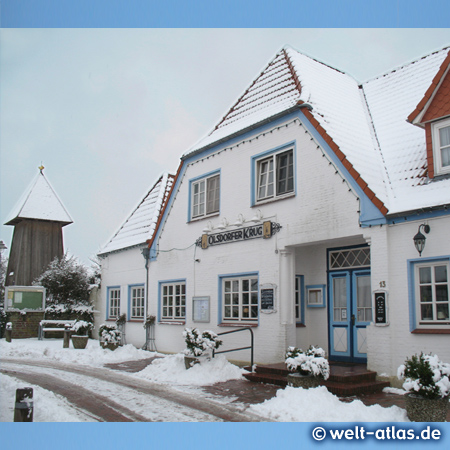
<point>407,64</point>
<point>266,67</point>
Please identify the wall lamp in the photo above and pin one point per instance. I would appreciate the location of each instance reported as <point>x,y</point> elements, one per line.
<point>419,238</point>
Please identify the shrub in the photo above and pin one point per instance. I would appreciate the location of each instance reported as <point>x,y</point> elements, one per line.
<point>312,362</point>
<point>426,376</point>
<point>197,344</point>
<point>82,328</point>
<point>66,282</point>
<point>110,334</point>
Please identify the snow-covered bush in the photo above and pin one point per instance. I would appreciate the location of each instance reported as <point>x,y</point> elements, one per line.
<point>426,376</point>
<point>312,362</point>
<point>66,282</point>
<point>109,334</point>
<point>4,317</point>
<point>82,328</point>
<point>198,344</point>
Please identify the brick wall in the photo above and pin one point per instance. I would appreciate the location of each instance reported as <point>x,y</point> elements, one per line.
<point>25,325</point>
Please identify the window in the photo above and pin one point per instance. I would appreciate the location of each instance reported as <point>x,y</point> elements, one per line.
<point>430,294</point>
<point>299,300</point>
<point>275,175</point>
<point>316,296</point>
<point>113,303</point>
<point>441,146</point>
<point>173,300</point>
<point>240,299</point>
<point>137,302</point>
<point>205,196</point>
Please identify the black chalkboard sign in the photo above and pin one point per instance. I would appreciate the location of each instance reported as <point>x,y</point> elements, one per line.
<point>380,307</point>
<point>267,299</point>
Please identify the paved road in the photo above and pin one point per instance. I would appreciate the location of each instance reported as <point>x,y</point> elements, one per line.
<point>110,396</point>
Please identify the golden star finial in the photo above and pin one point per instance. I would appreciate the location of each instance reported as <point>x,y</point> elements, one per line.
<point>41,167</point>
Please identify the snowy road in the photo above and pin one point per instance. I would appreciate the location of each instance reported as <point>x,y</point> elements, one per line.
<point>107,396</point>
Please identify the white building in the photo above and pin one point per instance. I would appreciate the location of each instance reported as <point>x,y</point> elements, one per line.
<point>124,269</point>
<point>296,215</point>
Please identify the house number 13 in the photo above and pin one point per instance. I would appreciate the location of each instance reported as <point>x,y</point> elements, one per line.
<point>382,284</point>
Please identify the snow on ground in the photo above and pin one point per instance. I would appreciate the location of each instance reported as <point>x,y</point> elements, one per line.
<point>52,349</point>
<point>48,407</point>
<point>318,405</point>
<point>171,370</point>
<point>290,404</point>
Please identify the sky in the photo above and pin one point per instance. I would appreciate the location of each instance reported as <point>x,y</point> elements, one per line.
<point>107,111</point>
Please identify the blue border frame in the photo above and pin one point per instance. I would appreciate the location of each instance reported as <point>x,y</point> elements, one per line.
<point>411,265</point>
<point>160,283</point>
<point>131,286</point>
<point>108,289</point>
<point>220,293</point>
<point>324,300</point>
<point>194,180</point>
<point>265,154</point>
<point>302,300</point>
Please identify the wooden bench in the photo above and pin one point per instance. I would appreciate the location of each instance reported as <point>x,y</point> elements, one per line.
<point>53,326</point>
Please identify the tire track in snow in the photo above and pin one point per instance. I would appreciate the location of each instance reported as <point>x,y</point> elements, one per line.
<point>224,412</point>
<point>97,406</point>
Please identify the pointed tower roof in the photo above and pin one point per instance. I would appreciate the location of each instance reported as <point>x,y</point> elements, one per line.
<point>39,202</point>
<point>140,226</point>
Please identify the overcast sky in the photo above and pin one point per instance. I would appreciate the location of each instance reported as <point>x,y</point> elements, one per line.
<point>108,110</point>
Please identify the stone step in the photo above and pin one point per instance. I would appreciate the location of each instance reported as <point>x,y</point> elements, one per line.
<point>345,379</point>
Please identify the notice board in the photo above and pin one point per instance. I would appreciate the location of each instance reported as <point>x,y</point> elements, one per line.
<point>25,298</point>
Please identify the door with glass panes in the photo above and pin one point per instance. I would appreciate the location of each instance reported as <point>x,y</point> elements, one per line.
<point>350,304</point>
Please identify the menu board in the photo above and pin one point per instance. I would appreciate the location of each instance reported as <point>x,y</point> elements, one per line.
<point>380,308</point>
<point>267,299</point>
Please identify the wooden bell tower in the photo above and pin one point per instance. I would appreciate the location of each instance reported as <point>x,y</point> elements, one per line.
<point>38,219</point>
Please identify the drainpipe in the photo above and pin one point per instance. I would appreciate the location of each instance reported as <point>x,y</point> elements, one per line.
<point>146,254</point>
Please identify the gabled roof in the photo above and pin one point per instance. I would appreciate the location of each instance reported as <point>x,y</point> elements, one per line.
<point>365,125</point>
<point>39,202</point>
<point>421,109</point>
<point>140,226</point>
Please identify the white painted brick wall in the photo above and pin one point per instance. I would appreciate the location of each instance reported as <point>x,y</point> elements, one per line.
<point>323,212</point>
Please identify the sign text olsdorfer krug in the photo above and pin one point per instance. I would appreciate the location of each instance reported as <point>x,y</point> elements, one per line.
<point>264,230</point>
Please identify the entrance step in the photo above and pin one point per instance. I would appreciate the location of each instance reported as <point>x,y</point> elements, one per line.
<point>345,379</point>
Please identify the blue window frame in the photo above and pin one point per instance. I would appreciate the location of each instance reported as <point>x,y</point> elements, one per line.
<point>204,195</point>
<point>316,296</point>
<point>300,299</point>
<point>172,300</point>
<point>429,288</point>
<point>239,298</point>
<point>113,302</point>
<point>136,301</point>
<point>274,174</point>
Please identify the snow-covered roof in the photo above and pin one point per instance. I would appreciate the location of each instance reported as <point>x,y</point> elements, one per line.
<point>367,123</point>
<point>140,226</point>
<point>39,202</point>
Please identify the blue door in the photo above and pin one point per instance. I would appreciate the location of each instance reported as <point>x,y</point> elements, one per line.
<point>350,311</point>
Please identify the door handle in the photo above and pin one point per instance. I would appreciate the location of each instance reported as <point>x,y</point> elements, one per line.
<point>353,319</point>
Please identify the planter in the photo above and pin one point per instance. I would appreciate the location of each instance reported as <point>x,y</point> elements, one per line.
<point>303,381</point>
<point>109,345</point>
<point>421,409</point>
<point>80,342</point>
<point>190,361</point>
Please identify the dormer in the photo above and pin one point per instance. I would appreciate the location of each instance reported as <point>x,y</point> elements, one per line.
<point>433,114</point>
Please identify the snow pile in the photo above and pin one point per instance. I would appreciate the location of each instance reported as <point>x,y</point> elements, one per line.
<point>319,405</point>
<point>171,370</point>
<point>53,349</point>
<point>48,407</point>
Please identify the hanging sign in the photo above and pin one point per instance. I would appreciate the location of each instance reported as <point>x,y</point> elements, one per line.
<point>264,230</point>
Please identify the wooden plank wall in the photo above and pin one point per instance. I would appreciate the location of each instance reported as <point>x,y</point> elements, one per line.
<point>34,245</point>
